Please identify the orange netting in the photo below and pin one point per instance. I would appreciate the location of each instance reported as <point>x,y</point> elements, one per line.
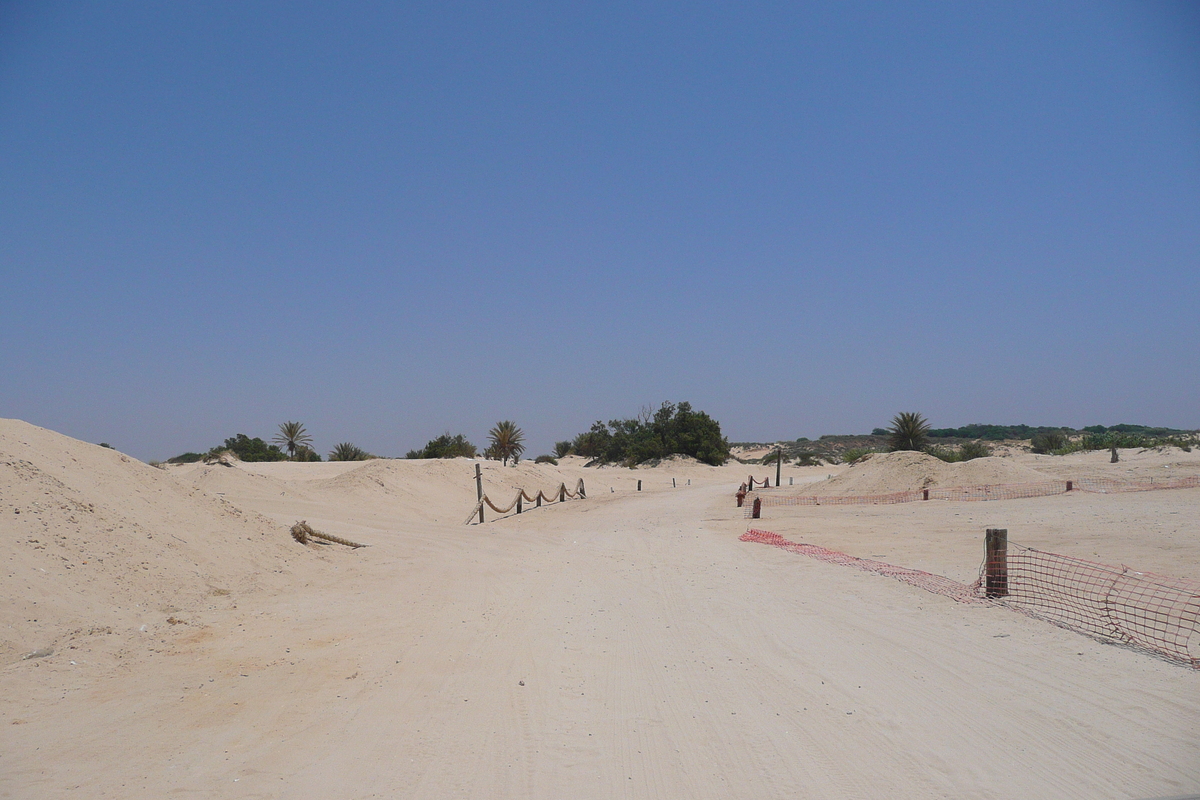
<point>937,584</point>
<point>1003,491</point>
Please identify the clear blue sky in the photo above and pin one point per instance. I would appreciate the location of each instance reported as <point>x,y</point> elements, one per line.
<point>389,220</point>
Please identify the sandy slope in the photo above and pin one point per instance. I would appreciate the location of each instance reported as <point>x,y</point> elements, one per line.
<point>624,646</point>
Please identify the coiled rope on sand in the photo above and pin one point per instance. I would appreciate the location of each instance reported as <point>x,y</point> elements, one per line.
<point>302,532</point>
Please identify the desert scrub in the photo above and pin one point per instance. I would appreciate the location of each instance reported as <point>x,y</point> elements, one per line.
<point>856,453</point>
<point>546,460</point>
<point>965,452</point>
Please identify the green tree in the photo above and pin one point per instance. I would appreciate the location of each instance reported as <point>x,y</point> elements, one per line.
<point>507,441</point>
<point>672,429</point>
<point>248,449</point>
<point>445,446</point>
<point>909,431</point>
<point>292,437</point>
<point>562,449</point>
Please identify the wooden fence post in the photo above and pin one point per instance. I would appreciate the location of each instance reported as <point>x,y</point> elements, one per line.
<point>996,562</point>
<point>520,493</point>
<point>582,490</point>
<point>924,494</point>
<point>479,491</point>
<point>756,511</point>
<point>539,498</point>
<point>778,465</point>
<point>672,483</point>
<point>562,493</point>
<point>1070,485</point>
<point>639,484</point>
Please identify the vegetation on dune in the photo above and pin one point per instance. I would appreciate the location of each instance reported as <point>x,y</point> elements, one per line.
<point>346,451</point>
<point>856,453</point>
<point>507,441</point>
<point>671,430</point>
<point>306,453</point>
<point>775,455</point>
<point>445,446</point>
<point>973,441</point>
<point>909,431</point>
<point>562,449</point>
<point>967,451</point>
<point>547,459</point>
<point>991,433</point>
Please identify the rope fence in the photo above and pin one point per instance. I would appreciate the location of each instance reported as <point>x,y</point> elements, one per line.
<point>1002,491</point>
<point>1152,613</point>
<point>559,495</point>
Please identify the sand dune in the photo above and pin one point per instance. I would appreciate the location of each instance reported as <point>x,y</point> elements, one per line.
<point>883,473</point>
<point>627,645</point>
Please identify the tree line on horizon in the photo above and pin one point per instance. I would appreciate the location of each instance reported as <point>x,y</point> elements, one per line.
<point>678,429</point>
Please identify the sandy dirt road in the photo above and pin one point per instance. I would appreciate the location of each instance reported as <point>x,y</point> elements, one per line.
<point>626,646</point>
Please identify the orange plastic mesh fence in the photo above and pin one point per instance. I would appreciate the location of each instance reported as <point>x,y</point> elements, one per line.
<point>937,584</point>
<point>1140,609</point>
<point>1003,491</point>
<point>1105,485</point>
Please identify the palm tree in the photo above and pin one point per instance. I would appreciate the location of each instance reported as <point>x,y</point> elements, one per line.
<point>507,441</point>
<point>293,437</point>
<point>345,451</point>
<point>909,431</point>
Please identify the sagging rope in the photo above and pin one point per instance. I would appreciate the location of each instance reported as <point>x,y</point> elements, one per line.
<point>302,532</point>
<point>561,494</point>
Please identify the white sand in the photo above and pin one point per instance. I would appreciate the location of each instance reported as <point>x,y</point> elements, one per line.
<point>660,656</point>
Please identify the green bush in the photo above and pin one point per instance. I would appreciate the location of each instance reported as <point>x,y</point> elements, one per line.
<point>807,458</point>
<point>973,450</point>
<point>445,446</point>
<point>563,449</point>
<point>546,460</point>
<point>855,453</point>
<point>1048,442</point>
<point>671,430</point>
<point>186,458</point>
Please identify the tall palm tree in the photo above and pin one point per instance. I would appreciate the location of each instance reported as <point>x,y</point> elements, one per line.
<point>507,441</point>
<point>909,431</point>
<point>293,437</point>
